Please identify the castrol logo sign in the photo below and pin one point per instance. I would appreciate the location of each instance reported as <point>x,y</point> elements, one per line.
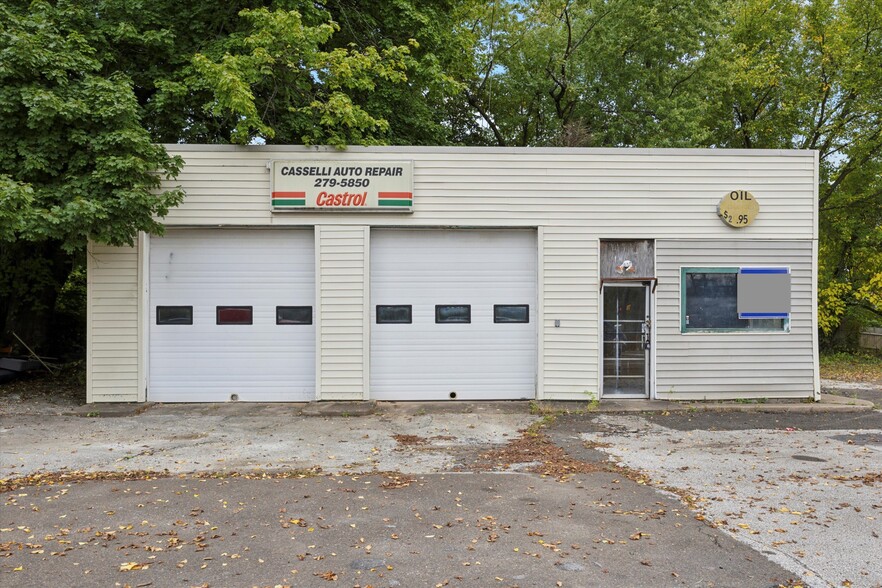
<point>351,186</point>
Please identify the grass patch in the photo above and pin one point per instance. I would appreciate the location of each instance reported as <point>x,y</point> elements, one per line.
<point>851,367</point>
<point>751,400</point>
<point>540,408</point>
<point>535,429</point>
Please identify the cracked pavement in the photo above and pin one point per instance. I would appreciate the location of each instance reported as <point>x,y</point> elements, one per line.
<point>801,491</point>
<point>773,499</point>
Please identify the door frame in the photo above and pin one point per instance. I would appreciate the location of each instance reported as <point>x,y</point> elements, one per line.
<point>649,373</point>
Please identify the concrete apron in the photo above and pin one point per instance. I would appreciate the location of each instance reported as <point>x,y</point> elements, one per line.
<point>827,403</point>
<point>252,437</point>
<point>183,438</point>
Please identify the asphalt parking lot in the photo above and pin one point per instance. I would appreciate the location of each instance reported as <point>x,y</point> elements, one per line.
<point>477,495</point>
<point>803,490</point>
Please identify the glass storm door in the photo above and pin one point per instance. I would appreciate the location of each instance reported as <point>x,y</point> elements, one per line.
<point>626,340</point>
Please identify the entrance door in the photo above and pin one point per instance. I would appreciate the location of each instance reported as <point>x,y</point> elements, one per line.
<point>626,340</point>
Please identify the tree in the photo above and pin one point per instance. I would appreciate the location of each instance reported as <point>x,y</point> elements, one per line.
<point>75,160</point>
<point>421,111</point>
<point>246,59</point>
<point>778,74</point>
<point>275,80</point>
<point>87,90</point>
<point>809,76</point>
<point>592,72</point>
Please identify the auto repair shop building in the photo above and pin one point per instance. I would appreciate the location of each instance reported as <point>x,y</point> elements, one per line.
<point>425,273</point>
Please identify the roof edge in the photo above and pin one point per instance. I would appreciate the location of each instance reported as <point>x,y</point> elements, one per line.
<point>191,147</point>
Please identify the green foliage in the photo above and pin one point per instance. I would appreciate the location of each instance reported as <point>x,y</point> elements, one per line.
<point>420,111</point>
<point>777,74</point>
<point>75,161</point>
<point>592,73</point>
<point>283,80</point>
<point>809,76</point>
<point>851,367</point>
<point>69,316</point>
<point>89,90</point>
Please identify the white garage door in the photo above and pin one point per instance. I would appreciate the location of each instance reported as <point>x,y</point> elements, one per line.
<point>231,316</point>
<point>453,314</point>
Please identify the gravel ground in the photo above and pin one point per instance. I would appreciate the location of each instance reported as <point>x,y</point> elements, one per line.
<point>871,391</point>
<point>38,393</point>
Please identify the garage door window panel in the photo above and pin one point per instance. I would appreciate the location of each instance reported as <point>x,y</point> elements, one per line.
<point>293,315</point>
<point>453,314</point>
<point>511,313</point>
<point>174,315</point>
<point>235,315</point>
<point>394,314</point>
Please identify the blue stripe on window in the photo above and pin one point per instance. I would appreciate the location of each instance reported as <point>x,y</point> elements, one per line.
<point>750,315</point>
<point>764,270</point>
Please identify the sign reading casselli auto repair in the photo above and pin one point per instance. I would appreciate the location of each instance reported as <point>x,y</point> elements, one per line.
<point>342,185</point>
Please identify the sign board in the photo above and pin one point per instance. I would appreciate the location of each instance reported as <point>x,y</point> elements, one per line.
<point>763,292</point>
<point>738,208</point>
<point>349,186</point>
<point>627,259</point>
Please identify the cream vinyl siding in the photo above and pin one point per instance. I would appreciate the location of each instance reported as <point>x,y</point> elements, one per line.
<point>716,366</point>
<point>114,330</point>
<point>341,311</point>
<point>572,197</point>
<point>632,193</point>
<point>568,274</point>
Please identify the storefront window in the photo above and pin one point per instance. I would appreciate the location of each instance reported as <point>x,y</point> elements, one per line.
<point>709,302</point>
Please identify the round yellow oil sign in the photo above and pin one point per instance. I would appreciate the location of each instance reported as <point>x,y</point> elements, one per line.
<point>738,208</point>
